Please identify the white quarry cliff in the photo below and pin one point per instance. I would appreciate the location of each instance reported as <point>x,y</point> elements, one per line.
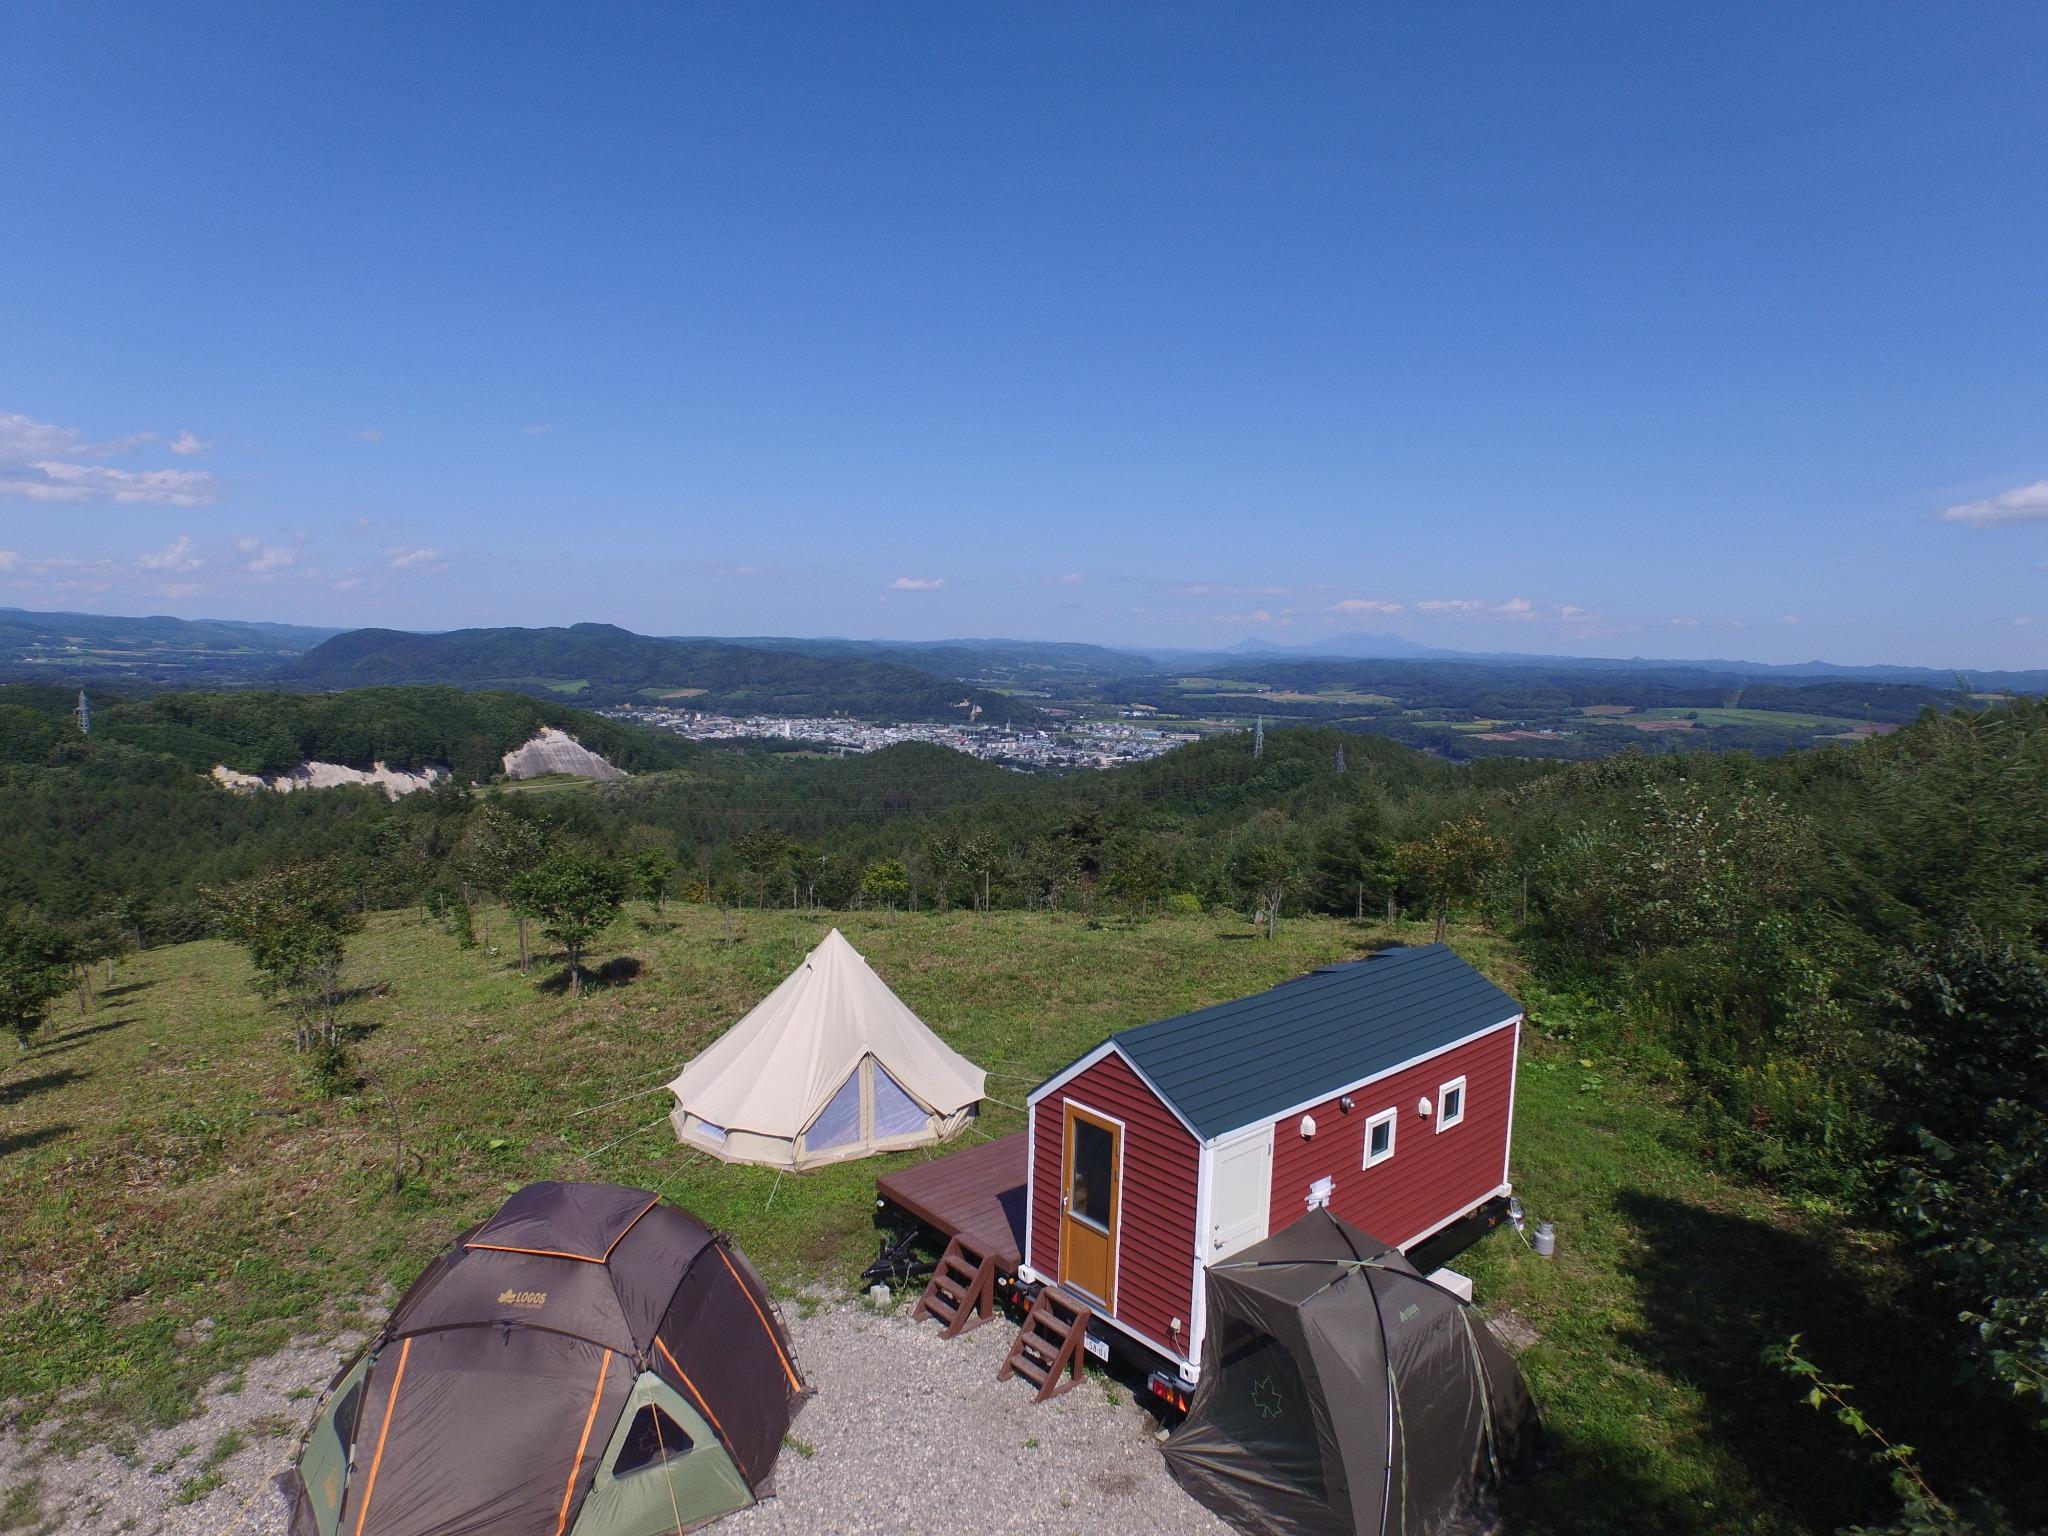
<point>555,751</point>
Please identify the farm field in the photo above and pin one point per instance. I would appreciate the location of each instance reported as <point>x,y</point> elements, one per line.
<point>163,1162</point>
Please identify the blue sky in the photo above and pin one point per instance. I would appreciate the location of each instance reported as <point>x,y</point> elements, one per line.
<point>1709,330</point>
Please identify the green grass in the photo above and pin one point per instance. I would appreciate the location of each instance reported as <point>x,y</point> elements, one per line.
<point>163,1161</point>
<point>1779,717</point>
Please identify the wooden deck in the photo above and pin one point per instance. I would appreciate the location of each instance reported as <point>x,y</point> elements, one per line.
<point>977,1193</point>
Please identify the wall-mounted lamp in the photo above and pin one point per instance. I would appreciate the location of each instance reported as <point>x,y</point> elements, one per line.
<point>1308,1126</point>
<point>1422,1108</point>
<point>1347,1103</point>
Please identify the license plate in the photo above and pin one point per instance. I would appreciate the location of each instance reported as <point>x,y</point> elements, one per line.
<point>1096,1347</point>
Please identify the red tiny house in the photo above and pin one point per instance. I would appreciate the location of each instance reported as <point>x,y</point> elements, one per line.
<point>1198,1123</point>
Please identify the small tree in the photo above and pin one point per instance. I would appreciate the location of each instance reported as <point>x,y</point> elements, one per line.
<point>885,882</point>
<point>651,870</point>
<point>979,856</point>
<point>764,851</point>
<point>1134,868</point>
<point>574,897</point>
<point>505,847</point>
<point>294,923</point>
<point>35,969</point>
<point>1265,872</point>
<point>1449,864</point>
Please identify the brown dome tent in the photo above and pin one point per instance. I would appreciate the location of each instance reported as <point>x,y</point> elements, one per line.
<point>1344,1393</point>
<point>588,1362</point>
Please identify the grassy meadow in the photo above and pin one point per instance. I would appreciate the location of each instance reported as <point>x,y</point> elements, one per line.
<point>164,1161</point>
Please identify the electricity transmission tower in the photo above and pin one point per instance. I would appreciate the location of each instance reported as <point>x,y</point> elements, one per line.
<point>84,712</point>
<point>1259,739</point>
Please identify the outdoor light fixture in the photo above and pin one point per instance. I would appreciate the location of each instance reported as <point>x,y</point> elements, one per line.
<point>1422,1106</point>
<point>1308,1126</point>
<point>1345,1103</point>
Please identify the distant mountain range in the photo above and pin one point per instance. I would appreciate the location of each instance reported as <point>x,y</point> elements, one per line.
<point>1015,680</point>
<point>1363,646</point>
<point>603,664</point>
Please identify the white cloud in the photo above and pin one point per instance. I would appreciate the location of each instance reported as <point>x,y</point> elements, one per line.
<point>917,583</point>
<point>2021,623</point>
<point>1256,616</point>
<point>1362,607</point>
<point>1790,618</point>
<point>264,559</point>
<point>1516,606</point>
<point>1074,579</point>
<point>21,438</point>
<point>1685,623</point>
<point>47,455</point>
<point>2021,504</point>
<point>134,487</point>
<point>176,557</point>
<point>1450,605</point>
<point>406,557</point>
<point>180,589</point>
<point>538,429</point>
<point>370,435</point>
<point>9,559</point>
<point>1571,613</point>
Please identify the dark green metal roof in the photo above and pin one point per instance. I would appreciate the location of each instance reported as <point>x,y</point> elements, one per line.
<point>1237,1063</point>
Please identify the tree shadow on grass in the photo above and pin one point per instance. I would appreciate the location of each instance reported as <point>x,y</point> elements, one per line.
<point>126,989</point>
<point>24,1141</point>
<point>619,971</point>
<point>71,1039</point>
<point>1716,1288</point>
<point>28,1087</point>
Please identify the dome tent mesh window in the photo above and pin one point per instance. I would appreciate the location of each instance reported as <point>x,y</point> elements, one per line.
<point>653,1438</point>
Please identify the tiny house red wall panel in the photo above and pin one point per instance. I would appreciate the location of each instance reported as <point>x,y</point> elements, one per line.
<point>1433,1175</point>
<point>1155,1279</point>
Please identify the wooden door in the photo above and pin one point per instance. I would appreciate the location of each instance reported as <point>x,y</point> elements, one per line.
<point>1090,1204</point>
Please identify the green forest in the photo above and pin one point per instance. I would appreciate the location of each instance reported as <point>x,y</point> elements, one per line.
<point>1837,958</point>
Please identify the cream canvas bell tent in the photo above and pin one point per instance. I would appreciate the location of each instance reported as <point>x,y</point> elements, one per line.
<point>830,1065</point>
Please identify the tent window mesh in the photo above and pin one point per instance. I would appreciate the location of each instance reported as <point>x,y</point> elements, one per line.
<point>1264,1405</point>
<point>344,1418</point>
<point>653,1437</point>
<point>896,1112</point>
<point>838,1123</point>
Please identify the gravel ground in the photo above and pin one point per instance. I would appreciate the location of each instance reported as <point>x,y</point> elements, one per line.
<point>908,1435</point>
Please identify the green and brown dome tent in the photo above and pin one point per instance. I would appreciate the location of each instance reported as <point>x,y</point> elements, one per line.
<point>588,1362</point>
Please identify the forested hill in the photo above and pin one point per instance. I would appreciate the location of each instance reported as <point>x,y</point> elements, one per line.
<point>603,664</point>
<point>159,651</point>
<point>271,732</point>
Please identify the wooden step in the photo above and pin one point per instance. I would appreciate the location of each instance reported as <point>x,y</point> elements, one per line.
<point>962,1291</point>
<point>1047,1350</point>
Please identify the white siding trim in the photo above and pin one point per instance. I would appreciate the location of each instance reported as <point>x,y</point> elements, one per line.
<point>1429,1232</point>
<point>1030,1178</point>
<point>1507,1151</point>
<point>1197,1315</point>
<point>1109,1047</point>
<point>1364,1082</point>
<point>1071,1071</point>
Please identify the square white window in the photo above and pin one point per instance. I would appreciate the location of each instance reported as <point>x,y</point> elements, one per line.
<point>1379,1136</point>
<point>1450,1104</point>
